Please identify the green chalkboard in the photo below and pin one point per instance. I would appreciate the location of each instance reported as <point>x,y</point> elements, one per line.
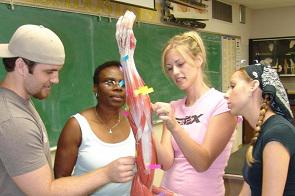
<point>89,41</point>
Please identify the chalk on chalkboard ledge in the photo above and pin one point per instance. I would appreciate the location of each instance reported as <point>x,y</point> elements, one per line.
<point>99,18</point>
<point>10,6</point>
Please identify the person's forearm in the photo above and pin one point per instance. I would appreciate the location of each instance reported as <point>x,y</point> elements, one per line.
<point>80,185</point>
<point>165,158</point>
<point>196,155</point>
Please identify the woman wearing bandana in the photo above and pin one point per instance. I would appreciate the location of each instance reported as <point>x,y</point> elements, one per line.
<point>257,94</point>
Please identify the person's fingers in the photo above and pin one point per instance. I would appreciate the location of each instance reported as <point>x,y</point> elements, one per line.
<point>164,118</point>
<point>126,179</point>
<point>129,160</point>
<point>127,174</point>
<point>154,106</point>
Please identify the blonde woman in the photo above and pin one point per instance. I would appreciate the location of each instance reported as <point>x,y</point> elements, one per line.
<point>197,135</point>
<point>257,94</point>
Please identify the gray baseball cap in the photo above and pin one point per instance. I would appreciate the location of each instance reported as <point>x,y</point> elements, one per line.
<point>36,43</point>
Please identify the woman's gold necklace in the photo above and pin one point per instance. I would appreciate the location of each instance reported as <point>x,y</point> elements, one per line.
<point>110,131</point>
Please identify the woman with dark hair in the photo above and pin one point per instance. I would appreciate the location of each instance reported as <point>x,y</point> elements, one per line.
<point>257,93</point>
<point>97,136</point>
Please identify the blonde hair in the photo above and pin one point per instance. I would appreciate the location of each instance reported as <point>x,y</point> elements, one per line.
<point>189,45</point>
<point>263,109</point>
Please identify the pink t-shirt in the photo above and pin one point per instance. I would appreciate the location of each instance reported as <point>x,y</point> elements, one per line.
<point>182,178</point>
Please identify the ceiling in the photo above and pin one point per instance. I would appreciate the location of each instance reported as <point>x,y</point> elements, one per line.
<point>263,4</point>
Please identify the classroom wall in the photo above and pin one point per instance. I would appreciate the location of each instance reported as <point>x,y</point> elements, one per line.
<point>276,22</point>
<point>235,28</point>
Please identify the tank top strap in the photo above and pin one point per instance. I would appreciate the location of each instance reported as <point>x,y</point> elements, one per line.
<point>86,131</point>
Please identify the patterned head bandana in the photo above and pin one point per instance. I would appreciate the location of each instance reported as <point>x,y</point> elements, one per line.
<point>272,86</point>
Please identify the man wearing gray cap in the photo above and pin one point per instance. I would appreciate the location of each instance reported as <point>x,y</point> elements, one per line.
<point>32,59</point>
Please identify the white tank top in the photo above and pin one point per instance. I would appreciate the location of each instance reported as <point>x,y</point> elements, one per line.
<point>94,153</point>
